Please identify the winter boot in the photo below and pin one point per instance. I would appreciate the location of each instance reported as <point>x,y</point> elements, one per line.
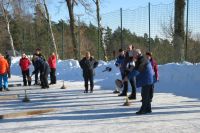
<point>132,97</point>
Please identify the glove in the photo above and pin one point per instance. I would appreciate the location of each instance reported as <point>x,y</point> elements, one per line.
<point>116,64</point>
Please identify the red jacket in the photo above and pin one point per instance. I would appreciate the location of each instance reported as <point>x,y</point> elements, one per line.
<point>4,67</point>
<point>52,61</point>
<point>155,68</point>
<point>24,63</point>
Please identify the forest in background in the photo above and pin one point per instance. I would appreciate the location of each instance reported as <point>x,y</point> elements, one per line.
<point>30,30</point>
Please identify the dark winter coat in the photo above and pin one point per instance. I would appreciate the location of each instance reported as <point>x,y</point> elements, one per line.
<point>41,66</point>
<point>88,66</point>
<point>8,58</point>
<point>120,62</point>
<point>40,56</point>
<point>143,72</point>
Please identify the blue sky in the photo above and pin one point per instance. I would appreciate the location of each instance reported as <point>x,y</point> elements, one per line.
<point>136,19</point>
<point>58,9</point>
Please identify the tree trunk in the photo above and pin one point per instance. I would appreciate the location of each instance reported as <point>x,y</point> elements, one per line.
<point>179,32</point>
<point>70,6</point>
<point>8,28</point>
<point>100,32</point>
<point>50,27</point>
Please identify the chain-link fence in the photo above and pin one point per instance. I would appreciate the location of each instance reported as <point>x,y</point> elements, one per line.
<point>151,28</point>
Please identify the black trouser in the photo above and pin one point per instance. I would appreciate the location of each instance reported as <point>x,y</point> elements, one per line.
<point>36,78</point>
<point>9,75</point>
<point>53,75</point>
<point>133,85</point>
<point>44,80</point>
<point>151,91</point>
<point>146,102</point>
<point>86,79</point>
<point>26,76</point>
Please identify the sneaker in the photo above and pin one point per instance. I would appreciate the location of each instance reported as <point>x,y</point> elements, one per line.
<point>116,92</point>
<point>85,91</point>
<point>122,94</point>
<point>91,91</point>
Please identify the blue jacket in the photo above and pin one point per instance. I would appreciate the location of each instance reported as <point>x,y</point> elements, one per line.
<point>120,62</point>
<point>144,76</point>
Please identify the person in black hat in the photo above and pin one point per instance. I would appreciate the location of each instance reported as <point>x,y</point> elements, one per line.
<point>8,58</point>
<point>38,54</point>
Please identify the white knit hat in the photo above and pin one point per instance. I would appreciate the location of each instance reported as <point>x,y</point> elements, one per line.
<point>138,51</point>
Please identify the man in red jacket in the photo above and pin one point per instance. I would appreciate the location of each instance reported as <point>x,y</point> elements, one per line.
<point>52,64</point>
<point>25,63</point>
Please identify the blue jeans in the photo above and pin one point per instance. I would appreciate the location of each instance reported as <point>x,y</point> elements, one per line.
<point>5,80</point>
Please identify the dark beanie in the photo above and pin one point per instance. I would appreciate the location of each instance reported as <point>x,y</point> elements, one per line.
<point>149,53</point>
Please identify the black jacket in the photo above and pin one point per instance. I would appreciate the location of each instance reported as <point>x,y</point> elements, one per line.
<point>88,66</point>
<point>39,55</point>
<point>42,66</point>
<point>8,58</point>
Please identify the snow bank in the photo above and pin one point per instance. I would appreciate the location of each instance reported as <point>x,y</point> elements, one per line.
<point>180,79</point>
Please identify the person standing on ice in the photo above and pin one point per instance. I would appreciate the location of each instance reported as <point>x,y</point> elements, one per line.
<point>4,69</point>
<point>43,67</point>
<point>88,64</point>
<point>155,69</point>
<point>119,63</point>
<point>144,78</point>
<point>128,64</point>
<point>52,64</point>
<point>25,63</point>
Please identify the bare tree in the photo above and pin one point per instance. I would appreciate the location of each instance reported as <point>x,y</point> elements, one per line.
<point>179,32</point>
<point>70,5</point>
<point>168,29</point>
<point>100,30</point>
<point>5,15</point>
<point>50,27</point>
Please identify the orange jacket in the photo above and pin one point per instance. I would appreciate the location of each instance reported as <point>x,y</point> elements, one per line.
<point>4,67</point>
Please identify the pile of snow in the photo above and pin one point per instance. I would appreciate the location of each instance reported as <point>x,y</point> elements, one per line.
<point>179,79</point>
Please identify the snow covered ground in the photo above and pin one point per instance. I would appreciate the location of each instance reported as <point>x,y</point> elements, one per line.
<point>176,104</point>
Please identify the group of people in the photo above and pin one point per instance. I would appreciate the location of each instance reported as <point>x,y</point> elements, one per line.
<point>140,71</point>
<point>41,67</point>
<point>135,68</point>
